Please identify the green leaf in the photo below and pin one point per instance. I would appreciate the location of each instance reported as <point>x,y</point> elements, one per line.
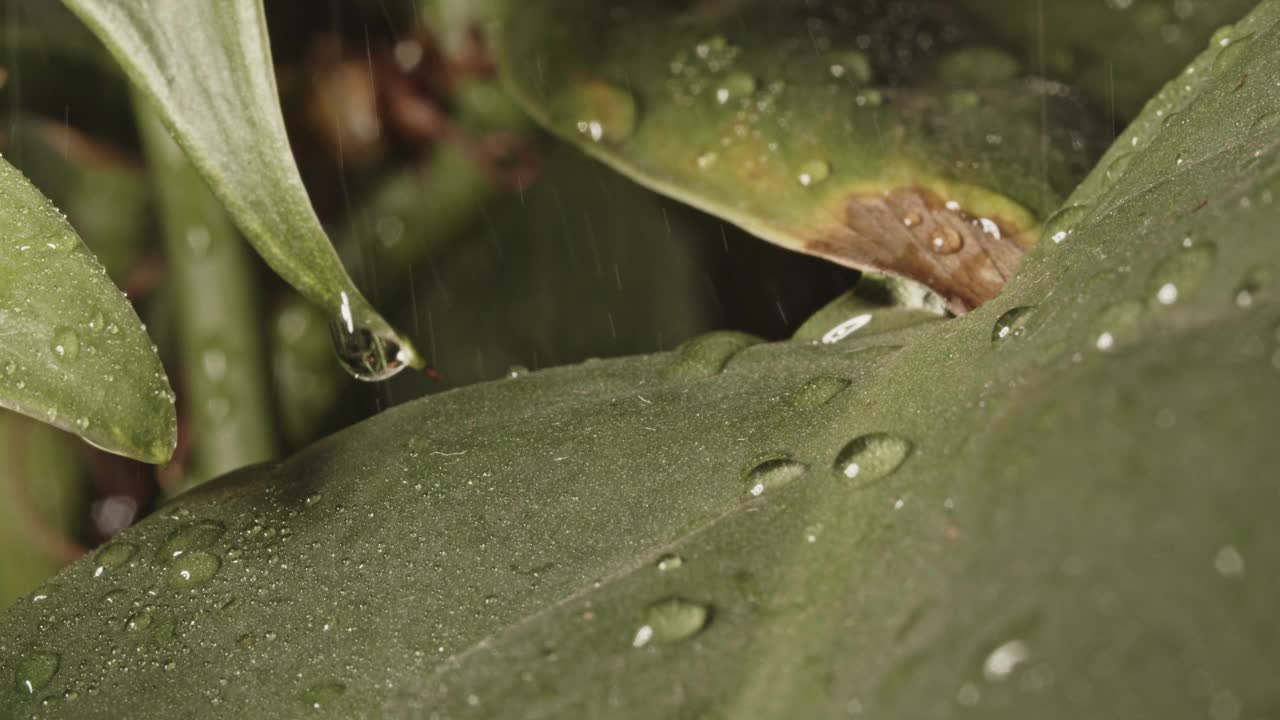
<point>43,503</point>
<point>207,69</point>
<point>224,368</point>
<point>74,353</point>
<point>998,516</point>
<point>884,136</point>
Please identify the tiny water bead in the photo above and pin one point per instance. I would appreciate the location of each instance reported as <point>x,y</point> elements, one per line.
<point>846,328</point>
<point>1006,658</point>
<point>1181,274</point>
<point>1062,224</point>
<point>771,474</point>
<point>813,172</point>
<point>318,697</point>
<point>113,556</point>
<point>138,622</point>
<point>853,66</point>
<point>707,355</point>
<point>736,85</point>
<point>195,536</point>
<point>1251,288</point>
<point>671,620</point>
<point>66,344</point>
<point>872,457</point>
<point>818,392</point>
<point>1012,324</point>
<point>669,562</point>
<point>366,355</point>
<point>1115,322</point>
<point>193,568</point>
<point>36,671</point>
<point>946,240</point>
<point>1233,49</point>
<point>601,111</point>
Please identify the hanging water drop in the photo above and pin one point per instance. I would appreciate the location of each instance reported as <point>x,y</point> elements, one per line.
<point>872,457</point>
<point>367,355</point>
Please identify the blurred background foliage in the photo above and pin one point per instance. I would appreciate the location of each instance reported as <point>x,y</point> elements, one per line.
<point>500,249</point>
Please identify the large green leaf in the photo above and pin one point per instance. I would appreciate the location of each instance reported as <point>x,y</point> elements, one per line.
<point>1056,506</point>
<point>74,353</point>
<point>881,135</point>
<point>43,502</point>
<point>207,68</point>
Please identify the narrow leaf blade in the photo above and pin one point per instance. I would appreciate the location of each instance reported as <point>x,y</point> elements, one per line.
<point>207,69</point>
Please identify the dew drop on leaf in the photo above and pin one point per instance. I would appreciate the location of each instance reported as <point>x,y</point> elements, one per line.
<point>600,111</point>
<point>193,568</point>
<point>707,355</point>
<point>671,620</point>
<point>323,695</point>
<point>1232,50</point>
<point>813,172</point>
<point>1062,224</point>
<point>871,457</point>
<point>1115,322</point>
<point>1178,276</point>
<point>36,671</point>
<point>771,474</point>
<point>113,556</point>
<point>667,563</point>
<point>818,392</point>
<point>1012,324</point>
<point>195,536</point>
<point>66,344</point>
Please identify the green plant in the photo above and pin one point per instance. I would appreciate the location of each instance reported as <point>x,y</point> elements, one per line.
<point>1054,504</point>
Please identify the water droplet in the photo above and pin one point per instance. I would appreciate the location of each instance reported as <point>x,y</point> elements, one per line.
<point>871,457</point>
<point>113,556</point>
<point>517,371</point>
<point>706,160</point>
<point>1255,283</point>
<point>600,111</point>
<point>818,392</point>
<point>846,328</point>
<point>66,344</point>
<point>195,536</point>
<point>138,622</point>
<point>1062,224</point>
<point>772,473</point>
<point>813,172</point>
<point>1181,274</point>
<point>1117,167</point>
<point>671,620</point>
<point>736,85</point>
<point>708,354</point>
<point>853,66</point>
<point>1002,661</point>
<point>1232,51</point>
<point>1012,324</point>
<point>946,240</point>
<point>1229,562</point>
<point>193,568</point>
<point>323,695</point>
<point>367,355</point>
<point>1115,322</point>
<point>113,598</point>
<point>36,671</point>
<point>669,562</point>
